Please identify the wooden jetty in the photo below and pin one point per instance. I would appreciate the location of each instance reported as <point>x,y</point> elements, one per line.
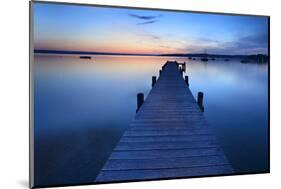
<point>168,138</point>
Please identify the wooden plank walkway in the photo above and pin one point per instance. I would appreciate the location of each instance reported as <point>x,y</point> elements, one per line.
<point>168,138</point>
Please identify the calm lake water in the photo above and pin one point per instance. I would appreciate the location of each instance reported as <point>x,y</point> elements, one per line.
<point>82,107</point>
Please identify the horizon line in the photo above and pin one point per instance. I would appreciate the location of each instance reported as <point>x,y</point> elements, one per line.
<point>48,51</point>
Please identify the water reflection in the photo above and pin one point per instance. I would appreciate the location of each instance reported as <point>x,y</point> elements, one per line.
<point>83,106</point>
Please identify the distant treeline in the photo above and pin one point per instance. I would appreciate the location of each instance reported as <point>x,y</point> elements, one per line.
<point>214,55</point>
<point>258,58</point>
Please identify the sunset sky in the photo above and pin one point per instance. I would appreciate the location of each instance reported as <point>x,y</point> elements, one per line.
<point>86,28</point>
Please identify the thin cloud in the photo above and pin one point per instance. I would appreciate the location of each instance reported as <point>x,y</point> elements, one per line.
<point>148,22</point>
<point>149,36</point>
<point>248,44</point>
<point>144,17</point>
<point>251,44</point>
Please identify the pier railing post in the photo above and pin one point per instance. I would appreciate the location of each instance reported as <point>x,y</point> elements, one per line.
<point>186,80</point>
<point>140,99</point>
<point>153,80</point>
<point>181,70</point>
<point>200,101</point>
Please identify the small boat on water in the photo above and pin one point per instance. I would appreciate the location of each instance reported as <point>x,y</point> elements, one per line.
<point>189,58</point>
<point>85,57</point>
<point>213,59</point>
<point>204,59</point>
<point>244,61</point>
<point>193,58</point>
<point>226,59</point>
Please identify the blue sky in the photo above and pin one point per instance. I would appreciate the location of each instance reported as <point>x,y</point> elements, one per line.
<point>87,28</point>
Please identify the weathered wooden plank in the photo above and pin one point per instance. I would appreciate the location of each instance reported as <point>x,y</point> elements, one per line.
<point>168,153</point>
<point>167,121</point>
<point>161,163</point>
<point>165,145</point>
<point>186,132</point>
<point>126,175</point>
<point>167,138</point>
<point>158,129</point>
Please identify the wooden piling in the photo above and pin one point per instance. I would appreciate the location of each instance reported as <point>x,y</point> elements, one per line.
<point>181,71</point>
<point>186,80</point>
<point>153,80</point>
<point>140,100</point>
<point>200,100</point>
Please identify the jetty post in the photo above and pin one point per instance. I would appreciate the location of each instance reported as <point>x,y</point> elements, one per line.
<point>181,71</point>
<point>186,80</point>
<point>140,100</point>
<point>153,80</point>
<point>200,101</point>
<point>184,66</point>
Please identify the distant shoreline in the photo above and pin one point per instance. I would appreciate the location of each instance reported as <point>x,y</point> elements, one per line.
<point>89,53</point>
<point>136,54</point>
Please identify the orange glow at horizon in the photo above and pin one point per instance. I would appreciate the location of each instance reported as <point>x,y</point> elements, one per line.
<point>109,46</point>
